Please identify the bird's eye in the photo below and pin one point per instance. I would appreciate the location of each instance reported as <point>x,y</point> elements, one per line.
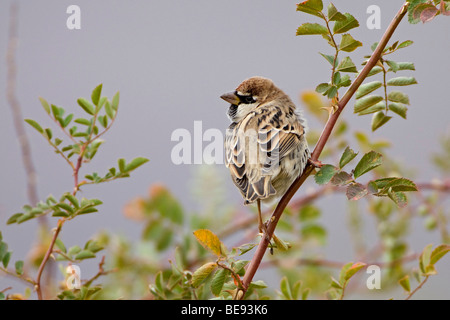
<point>249,99</point>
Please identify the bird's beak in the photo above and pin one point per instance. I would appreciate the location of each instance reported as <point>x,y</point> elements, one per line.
<point>231,98</point>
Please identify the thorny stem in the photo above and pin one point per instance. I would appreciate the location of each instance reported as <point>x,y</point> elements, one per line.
<point>256,260</point>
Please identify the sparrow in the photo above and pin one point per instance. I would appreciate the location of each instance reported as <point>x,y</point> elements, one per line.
<point>265,145</point>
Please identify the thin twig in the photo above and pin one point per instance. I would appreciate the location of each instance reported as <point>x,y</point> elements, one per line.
<point>418,287</point>
<point>254,264</point>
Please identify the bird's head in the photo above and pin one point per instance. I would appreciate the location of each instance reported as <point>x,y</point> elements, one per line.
<point>249,95</point>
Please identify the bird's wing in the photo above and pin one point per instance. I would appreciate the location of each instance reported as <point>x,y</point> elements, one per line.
<point>255,146</point>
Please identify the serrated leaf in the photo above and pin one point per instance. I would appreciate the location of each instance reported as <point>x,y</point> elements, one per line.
<point>311,29</point>
<point>375,70</point>
<point>396,184</point>
<point>404,282</point>
<point>368,162</point>
<point>346,65</point>
<point>346,157</point>
<point>96,93</point>
<point>331,92</point>
<point>366,102</point>
<point>334,14</point>
<point>86,106</point>
<point>327,57</point>
<point>379,119</point>
<point>341,178</point>
<point>397,96</point>
<point>209,241</point>
<point>218,281</point>
<point>367,88</point>
<point>202,273</point>
<point>401,81</point>
<point>322,87</point>
<point>428,13</point>
<point>373,109</point>
<point>356,191</point>
<point>313,7</point>
<point>404,66</point>
<point>399,198</point>
<point>345,25</point>
<point>348,44</point>
<point>399,109</point>
<point>438,253</point>
<point>325,173</point>
<point>35,125</point>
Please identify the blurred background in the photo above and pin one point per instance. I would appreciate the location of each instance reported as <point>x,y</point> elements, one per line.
<point>171,60</point>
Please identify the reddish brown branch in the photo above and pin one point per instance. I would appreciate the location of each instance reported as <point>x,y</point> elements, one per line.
<point>254,264</point>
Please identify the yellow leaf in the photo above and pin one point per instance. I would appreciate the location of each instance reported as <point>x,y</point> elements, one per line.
<point>209,241</point>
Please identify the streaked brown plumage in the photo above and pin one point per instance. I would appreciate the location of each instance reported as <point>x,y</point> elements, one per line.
<point>265,144</point>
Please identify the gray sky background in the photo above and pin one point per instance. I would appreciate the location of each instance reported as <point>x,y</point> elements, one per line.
<point>171,60</point>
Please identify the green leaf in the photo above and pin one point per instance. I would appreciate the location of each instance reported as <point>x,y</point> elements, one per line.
<point>14,218</point>
<point>83,121</point>
<point>399,198</point>
<point>327,57</point>
<point>96,93</point>
<point>354,268</point>
<point>121,163</point>
<point>45,104</point>
<point>202,273</point>
<point>135,163</point>
<point>19,267</point>
<point>308,213</point>
<point>311,29</point>
<point>314,231</point>
<point>59,213</point>
<point>325,173</point>
<point>331,92</point>
<point>396,184</point>
<point>286,288</point>
<point>424,259</point>
<point>379,119</point>
<point>405,44</point>
<point>3,249</point>
<point>393,65</point>
<point>402,81</point>
<point>397,96</point>
<point>48,133</point>
<point>399,109</point>
<point>404,282</point>
<point>313,7</point>
<point>35,125</point>
<point>367,88</point>
<point>404,66</point>
<point>356,191</point>
<point>86,106</point>
<point>368,162</point>
<point>348,44</point>
<point>209,241</point>
<point>60,245</point>
<point>345,25</point>
<point>366,102</point>
<point>218,281</point>
<point>346,65</point>
<point>323,87</point>
<point>334,14</point>
<point>115,101</point>
<point>6,258</point>
<point>84,254</point>
<point>375,70</point>
<point>346,157</point>
<point>438,253</point>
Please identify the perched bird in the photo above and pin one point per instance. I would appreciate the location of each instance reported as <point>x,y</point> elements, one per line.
<point>265,145</point>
